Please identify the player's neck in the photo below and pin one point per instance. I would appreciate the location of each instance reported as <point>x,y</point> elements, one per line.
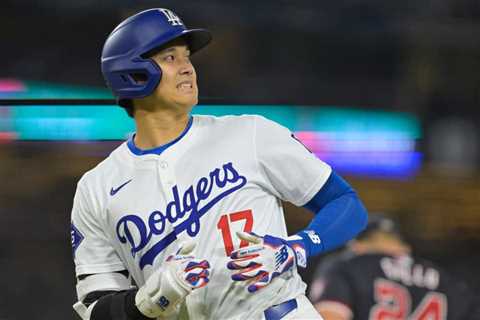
<point>386,246</point>
<point>393,251</point>
<point>158,128</point>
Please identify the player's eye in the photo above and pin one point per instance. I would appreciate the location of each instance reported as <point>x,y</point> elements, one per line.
<point>169,58</point>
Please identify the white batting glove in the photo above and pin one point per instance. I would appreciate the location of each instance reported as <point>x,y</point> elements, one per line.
<point>266,259</point>
<point>168,286</point>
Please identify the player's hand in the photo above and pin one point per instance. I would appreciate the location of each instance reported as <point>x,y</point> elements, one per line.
<point>267,258</point>
<point>192,273</point>
<point>168,286</point>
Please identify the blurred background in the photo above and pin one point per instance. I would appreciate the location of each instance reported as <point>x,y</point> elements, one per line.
<point>387,92</point>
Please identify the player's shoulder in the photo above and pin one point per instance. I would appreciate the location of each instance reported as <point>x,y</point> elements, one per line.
<point>374,261</point>
<point>425,262</point>
<point>366,259</point>
<point>350,262</point>
<point>108,167</point>
<point>334,261</point>
<point>233,121</point>
<point>443,273</point>
<point>226,120</point>
<point>452,284</point>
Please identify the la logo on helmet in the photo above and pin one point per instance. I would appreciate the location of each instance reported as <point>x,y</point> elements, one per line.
<point>172,17</point>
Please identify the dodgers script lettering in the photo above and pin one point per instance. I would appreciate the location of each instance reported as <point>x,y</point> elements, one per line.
<point>193,203</point>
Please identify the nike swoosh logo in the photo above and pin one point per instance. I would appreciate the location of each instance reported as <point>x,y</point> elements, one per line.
<point>114,191</point>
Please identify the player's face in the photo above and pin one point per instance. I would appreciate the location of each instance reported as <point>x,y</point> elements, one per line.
<point>178,85</point>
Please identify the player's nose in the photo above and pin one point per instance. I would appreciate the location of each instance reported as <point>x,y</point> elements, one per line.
<point>186,69</point>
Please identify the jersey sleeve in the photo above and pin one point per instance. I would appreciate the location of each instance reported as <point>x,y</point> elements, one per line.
<point>291,171</point>
<point>92,251</point>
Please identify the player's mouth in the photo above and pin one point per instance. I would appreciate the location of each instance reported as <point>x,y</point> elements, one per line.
<point>186,86</point>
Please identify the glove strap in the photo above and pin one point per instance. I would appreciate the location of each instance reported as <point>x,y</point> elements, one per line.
<point>296,243</point>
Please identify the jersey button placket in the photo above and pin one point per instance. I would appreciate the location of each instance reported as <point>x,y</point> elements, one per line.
<point>166,175</point>
<point>163,165</point>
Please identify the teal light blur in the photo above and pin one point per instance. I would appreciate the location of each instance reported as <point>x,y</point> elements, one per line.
<point>70,123</point>
<point>112,123</point>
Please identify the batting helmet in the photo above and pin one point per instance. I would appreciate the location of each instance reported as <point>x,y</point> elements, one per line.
<point>124,55</point>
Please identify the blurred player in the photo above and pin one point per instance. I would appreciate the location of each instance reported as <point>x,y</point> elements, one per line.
<point>377,278</point>
<point>189,208</point>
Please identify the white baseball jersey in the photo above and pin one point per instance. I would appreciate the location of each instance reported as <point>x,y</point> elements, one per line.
<point>223,174</point>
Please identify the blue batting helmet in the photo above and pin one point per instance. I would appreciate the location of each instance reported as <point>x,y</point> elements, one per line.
<point>124,55</point>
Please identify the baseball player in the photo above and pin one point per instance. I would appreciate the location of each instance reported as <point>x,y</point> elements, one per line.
<point>184,220</point>
<point>378,278</point>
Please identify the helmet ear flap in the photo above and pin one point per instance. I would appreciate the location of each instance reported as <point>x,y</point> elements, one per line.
<point>132,79</point>
<point>139,77</point>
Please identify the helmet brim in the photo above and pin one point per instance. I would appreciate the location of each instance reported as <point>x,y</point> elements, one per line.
<point>197,39</point>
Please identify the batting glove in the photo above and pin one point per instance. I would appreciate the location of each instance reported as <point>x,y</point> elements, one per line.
<point>266,259</point>
<point>168,286</point>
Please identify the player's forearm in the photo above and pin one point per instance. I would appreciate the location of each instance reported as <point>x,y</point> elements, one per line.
<point>159,297</point>
<point>118,305</point>
<point>115,305</point>
<point>109,305</point>
<point>339,216</point>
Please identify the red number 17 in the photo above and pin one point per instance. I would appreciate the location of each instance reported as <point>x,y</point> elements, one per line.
<point>224,226</point>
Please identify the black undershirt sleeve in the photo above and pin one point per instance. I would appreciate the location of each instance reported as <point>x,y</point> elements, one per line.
<point>117,306</point>
<point>113,305</point>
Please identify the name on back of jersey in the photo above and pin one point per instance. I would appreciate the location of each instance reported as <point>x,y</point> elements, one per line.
<point>407,272</point>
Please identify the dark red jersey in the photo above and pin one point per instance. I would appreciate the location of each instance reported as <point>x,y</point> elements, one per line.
<point>382,287</point>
